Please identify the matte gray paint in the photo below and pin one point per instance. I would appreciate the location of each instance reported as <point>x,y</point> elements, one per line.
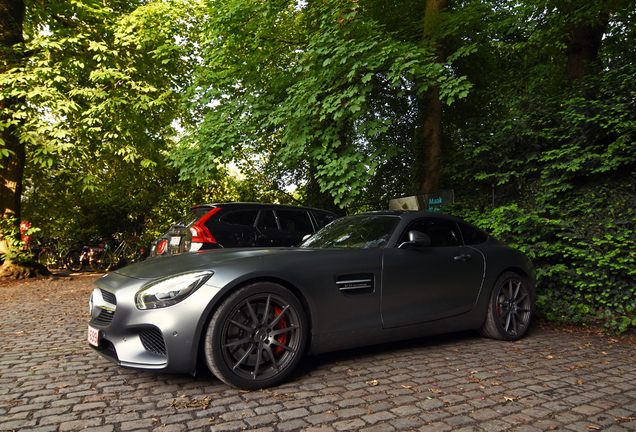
<point>337,319</point>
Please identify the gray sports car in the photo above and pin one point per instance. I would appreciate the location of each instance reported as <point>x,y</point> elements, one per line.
<point>364,279</point>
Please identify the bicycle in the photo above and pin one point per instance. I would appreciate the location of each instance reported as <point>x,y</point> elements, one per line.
<point>102,259</point>
<point>48,255</point>
<point>53,252</point>
<point>78,257</point>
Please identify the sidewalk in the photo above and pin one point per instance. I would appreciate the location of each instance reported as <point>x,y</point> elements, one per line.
<point>50,380</point>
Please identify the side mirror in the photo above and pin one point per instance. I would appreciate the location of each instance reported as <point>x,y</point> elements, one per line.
<point>416,239</point>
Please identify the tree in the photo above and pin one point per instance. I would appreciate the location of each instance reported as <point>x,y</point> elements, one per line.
<point>298,85</point>
<point>13,151</point>
<point>90,84</point>
<point>557,140</point>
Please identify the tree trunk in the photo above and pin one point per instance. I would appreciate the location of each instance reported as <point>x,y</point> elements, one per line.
<point>584,38</point>
<point>428,169</point>
<point>12,166</point>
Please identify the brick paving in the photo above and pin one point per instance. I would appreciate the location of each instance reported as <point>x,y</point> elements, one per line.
<point>551,380</point>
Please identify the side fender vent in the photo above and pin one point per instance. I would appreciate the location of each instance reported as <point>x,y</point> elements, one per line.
<point>355,284</point>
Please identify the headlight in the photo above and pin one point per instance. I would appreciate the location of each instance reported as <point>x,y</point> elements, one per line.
<point>170,291</point>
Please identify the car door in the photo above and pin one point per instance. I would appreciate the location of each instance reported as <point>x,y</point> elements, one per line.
<point>283,227</point>
<point>268,231</point>
<point>421,284</point>
<point>236,229</point>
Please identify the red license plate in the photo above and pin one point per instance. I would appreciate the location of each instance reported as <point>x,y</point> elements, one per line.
<point>93,336</point>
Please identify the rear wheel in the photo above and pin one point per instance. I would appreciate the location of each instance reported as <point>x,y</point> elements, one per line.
<point>510,308</point>
<point>128,254</point>
<point>256,337</point>
<point>73,261</point>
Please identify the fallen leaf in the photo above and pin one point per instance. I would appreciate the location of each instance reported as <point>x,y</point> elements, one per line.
<point>592,427</point>
<point>508,398</point>
<point>407,387</point>
<point>373,383</point>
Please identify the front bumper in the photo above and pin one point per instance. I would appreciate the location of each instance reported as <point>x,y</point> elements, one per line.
<point>164,339</point>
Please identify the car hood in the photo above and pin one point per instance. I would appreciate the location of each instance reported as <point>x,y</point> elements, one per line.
<point>206,260</point>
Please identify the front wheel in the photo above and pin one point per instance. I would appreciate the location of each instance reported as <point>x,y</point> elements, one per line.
<point>510,308</point>
<point>103,261</point>
<point>49,260</point>
<point>256,337</point>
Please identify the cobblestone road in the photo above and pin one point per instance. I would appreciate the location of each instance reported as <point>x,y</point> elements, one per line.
<point>551,380</point>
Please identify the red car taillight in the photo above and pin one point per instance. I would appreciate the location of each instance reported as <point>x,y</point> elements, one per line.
<point>198,230</point>
<point>161,247</point>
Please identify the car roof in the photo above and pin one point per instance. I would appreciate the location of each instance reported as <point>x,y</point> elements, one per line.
<point>409,215</point>
<point>254,205</point>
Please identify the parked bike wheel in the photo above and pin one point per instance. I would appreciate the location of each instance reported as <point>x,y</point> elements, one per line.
<point>72,260</point>
<point>128,254</point>
<point>103,261</point>
<point>49,260</point>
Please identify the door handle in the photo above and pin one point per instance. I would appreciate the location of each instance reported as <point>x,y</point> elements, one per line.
<point>462,257</point>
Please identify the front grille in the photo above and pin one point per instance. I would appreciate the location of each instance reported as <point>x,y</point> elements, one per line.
<point>153,342</point>
<point>109,297</point>
<point>104,319</point>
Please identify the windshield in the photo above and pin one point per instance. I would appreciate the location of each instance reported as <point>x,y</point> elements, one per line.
<point>364,232</point>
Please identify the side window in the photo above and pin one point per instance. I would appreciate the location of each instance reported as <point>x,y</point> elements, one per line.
<point>268,220</point>
<point>243,217</point>
<point>324,219</point>
<point>294,220</point>
<point>442,232</point>
<point>472,235</point>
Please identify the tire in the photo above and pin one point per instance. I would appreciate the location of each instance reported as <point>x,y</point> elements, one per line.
<point>510,308</point>
<point>48,260</point>
<point>72,260</point>
<point>256,337</point>
<point>128,254</point>
<point>103,261</point>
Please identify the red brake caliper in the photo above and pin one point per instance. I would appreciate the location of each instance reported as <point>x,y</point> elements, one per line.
<point>281,338</point>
